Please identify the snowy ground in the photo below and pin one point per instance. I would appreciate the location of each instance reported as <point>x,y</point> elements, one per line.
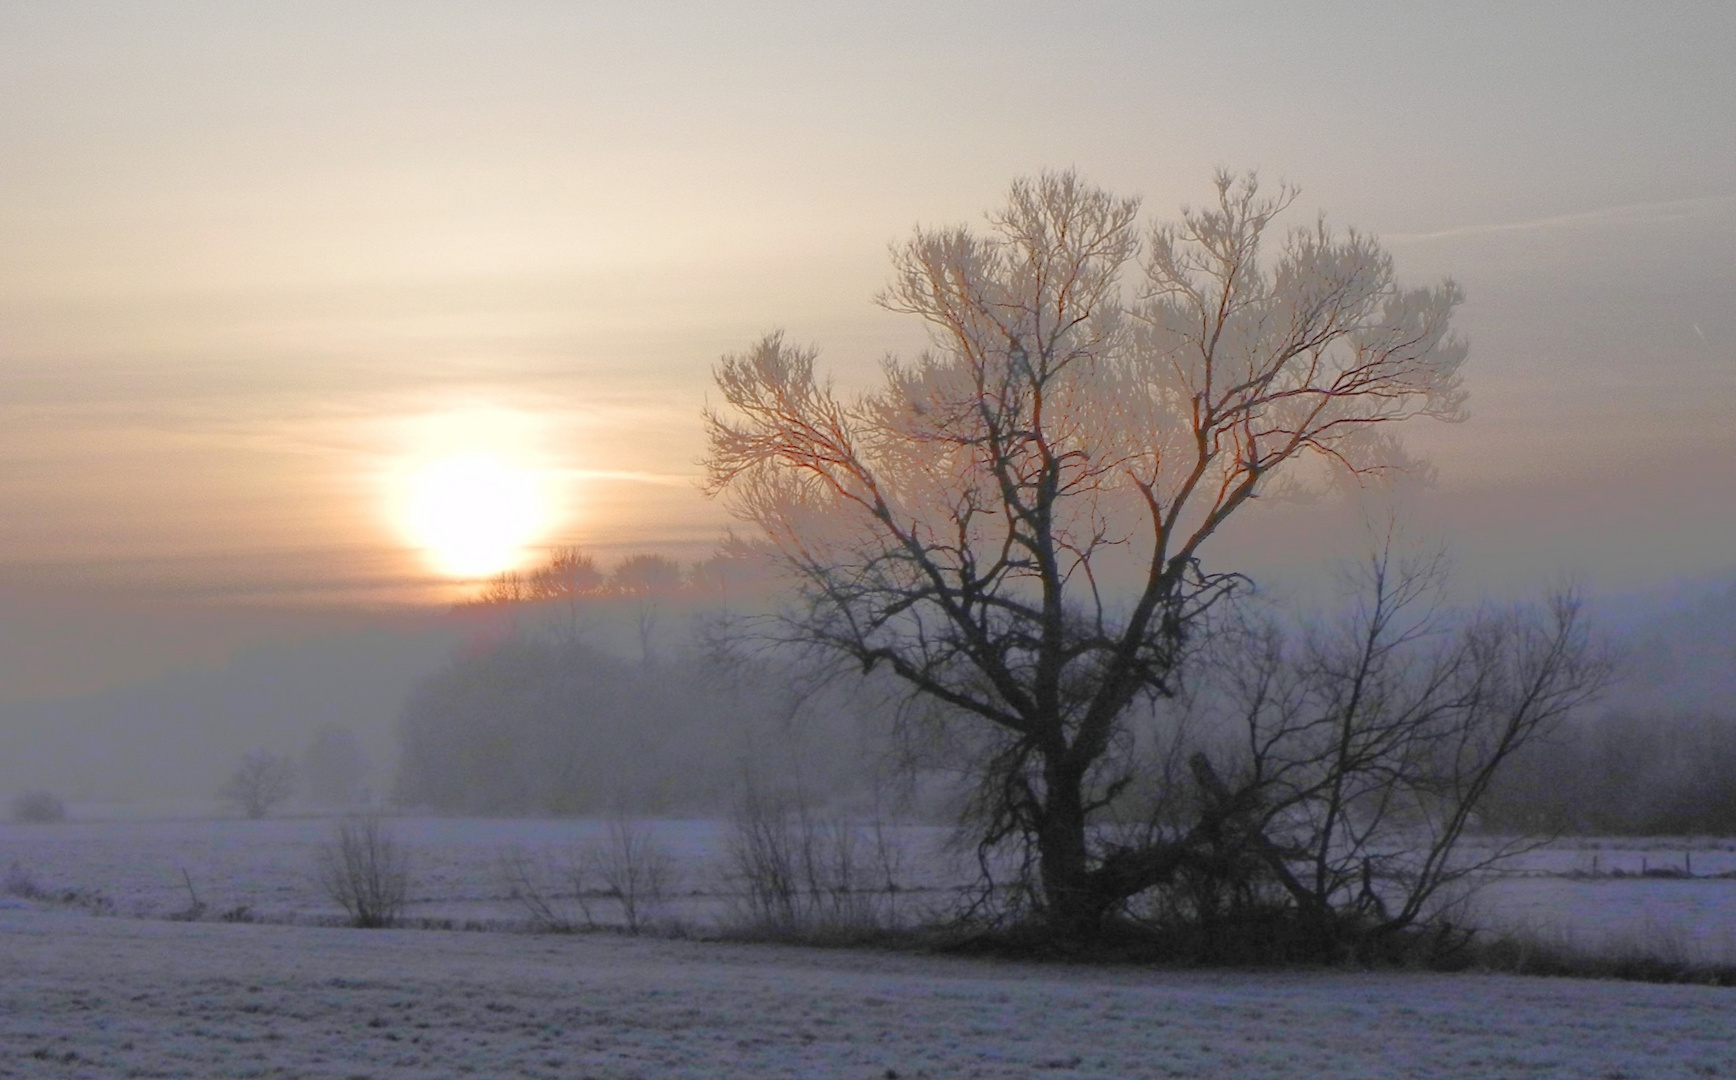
<point>111,997</point>
<point>135,867</point>
<point>86,991</point>
<point>1606,894</point>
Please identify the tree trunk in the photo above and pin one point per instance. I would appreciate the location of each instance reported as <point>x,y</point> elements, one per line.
<point>1071,905</point>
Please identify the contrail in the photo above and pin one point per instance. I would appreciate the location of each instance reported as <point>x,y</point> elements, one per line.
<point>1671,210</point>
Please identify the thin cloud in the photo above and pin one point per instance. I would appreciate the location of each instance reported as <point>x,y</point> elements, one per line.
<point>658,479</point>
<point>1670,210</point>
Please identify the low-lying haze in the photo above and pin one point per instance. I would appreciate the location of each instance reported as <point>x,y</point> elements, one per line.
<point>258,265</point>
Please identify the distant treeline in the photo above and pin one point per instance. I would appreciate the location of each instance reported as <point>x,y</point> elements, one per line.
<point>617,702</point>
<point>602,692</point>
<point>542,722</point>
<point>538,725</point>
<point>1624,773</point>
<point>570,574</point>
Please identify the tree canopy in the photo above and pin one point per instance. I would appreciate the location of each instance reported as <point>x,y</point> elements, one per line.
<point>1015,522</point>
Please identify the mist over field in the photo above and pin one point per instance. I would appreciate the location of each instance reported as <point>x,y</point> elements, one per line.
<point>678,732</point>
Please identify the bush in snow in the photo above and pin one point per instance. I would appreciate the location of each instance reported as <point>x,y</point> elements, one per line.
<point>38,807</point>
<point>366,872</point>
<point>630,866</point>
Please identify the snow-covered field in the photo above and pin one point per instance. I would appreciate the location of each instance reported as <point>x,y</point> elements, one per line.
<point>121,996</point>
<point>1612,894</point>
<point>107,997</point>
<point>141,867</point>
<point>268,866</point>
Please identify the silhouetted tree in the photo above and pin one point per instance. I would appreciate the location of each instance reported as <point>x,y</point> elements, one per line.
<point>963,525</point>
<point>259,783</point>
<point>1362,749</point>
<point>38,808</point>
<point>648,580</point>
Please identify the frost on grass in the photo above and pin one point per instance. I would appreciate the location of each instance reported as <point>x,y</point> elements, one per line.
<point>217,1000</point>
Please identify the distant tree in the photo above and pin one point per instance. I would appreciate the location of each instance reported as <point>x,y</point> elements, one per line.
<point>569,571</point>
<point>1658,772</point>
<point>654,575</point>
<point>532,724</point>
<point>563,585</point>
<point>38,808</point>
<point>737,571</point>
<point>506,587</point>
<point>261,782</point>
<point>649,580</point>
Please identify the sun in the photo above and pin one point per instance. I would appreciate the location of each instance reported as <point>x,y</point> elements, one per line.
<point>474,514</point>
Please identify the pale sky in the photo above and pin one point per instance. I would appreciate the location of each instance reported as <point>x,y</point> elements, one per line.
<point>259,260</point>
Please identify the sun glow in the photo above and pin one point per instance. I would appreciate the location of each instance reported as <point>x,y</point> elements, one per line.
<point>475,513</point>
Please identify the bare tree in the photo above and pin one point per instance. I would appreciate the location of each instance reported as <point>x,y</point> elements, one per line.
<point>554,892</point>
<point>630,865</point>
<point>648,579</point>
<point>38,808</point>
<point>565,581</point>
<point>1367,745</point>
<point>568,581</point>
<point>569,572</point>
<point>1015,522</point>
<point>259,783</point>
<point>507,588</point>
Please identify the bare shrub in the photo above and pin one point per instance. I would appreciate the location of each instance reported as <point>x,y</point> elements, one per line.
<point>636,869</point>
<point>551,892</point>
<point>259,783</point>
<point>1366,746</point>
<point>629,865</point>
<point>803,875</point>
<point>20,884</point>
<point>366,872</point>
<point>38,808</point>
